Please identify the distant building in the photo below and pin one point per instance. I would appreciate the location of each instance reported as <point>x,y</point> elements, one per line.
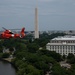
<point>62,45</point>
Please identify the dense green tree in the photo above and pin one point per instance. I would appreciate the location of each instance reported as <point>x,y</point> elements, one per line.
<point>32,58</point>
<point>11,49</point>
<point>42,66</point>
<point>64,57</point>
<point>32,47</point>
<point>58,70</point>
<point>18,62</point>
<point>1,49</point>
<point>29,60</point>
<point>20,55</point>
<point>71,58</point>
<point>5,55</point>
<point>41,42</point>
<point>53,54</point>
<point>29,70</point>
<point>23,65</point>
<point>71,61</point>
<point>70,55</point>
<point>1,54</point>
<point>21,72</point>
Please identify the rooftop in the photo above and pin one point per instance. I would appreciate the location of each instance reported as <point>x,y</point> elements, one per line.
<point>65,38</point>
<point>64,43</point>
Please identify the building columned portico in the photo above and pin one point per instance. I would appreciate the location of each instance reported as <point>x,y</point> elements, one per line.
<point>62,45</point>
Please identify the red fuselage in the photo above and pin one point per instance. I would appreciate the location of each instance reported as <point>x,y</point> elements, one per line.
<point>8,34</point>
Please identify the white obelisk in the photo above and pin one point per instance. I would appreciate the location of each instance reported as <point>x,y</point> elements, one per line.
<point>36,24</point>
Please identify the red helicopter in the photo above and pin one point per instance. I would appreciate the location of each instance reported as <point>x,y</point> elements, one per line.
<point>7,34</point>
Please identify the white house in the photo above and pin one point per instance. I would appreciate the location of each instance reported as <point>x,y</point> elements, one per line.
<point>62,45</point>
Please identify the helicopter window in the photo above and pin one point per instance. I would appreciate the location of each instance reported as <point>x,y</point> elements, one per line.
<point>10,33</point>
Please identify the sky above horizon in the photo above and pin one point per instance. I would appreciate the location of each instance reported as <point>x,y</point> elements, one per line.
<point>52,14</point>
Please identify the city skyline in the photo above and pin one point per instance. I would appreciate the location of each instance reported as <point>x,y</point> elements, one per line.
<point>53,14</point>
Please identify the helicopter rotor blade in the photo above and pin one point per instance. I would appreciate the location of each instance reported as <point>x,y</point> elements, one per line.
<point>4,28</point>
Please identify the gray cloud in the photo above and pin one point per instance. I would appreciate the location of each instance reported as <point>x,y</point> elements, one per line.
<point>17,13</point>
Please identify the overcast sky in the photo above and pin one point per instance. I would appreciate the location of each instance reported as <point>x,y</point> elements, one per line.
<point>53,14</point>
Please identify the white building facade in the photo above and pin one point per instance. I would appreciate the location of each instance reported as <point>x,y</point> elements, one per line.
<point>62,45</point>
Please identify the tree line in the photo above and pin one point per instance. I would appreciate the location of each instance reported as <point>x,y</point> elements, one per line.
<point>31,60</point>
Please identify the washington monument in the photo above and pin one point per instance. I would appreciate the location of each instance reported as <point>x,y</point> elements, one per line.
<point>36,24</point>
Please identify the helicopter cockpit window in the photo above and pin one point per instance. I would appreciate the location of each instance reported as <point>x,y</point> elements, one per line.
<point>10,33</point>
